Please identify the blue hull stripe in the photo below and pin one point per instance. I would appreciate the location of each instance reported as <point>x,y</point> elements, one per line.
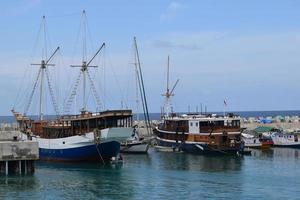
<point>85,153</point>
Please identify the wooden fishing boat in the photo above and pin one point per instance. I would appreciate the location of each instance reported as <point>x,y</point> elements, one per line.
<point>85,137</point>
<point>80,137</point>
<point>197,133</point>
<point>201,134</point>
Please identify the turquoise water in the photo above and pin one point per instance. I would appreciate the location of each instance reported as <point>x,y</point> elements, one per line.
<point>274,174</point>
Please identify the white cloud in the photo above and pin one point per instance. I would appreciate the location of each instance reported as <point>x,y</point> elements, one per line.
<point>238,65</point>
<point>210,66</point>
<point>172,11</point>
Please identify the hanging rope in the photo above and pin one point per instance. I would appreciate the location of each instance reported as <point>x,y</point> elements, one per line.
<point>97,137</point>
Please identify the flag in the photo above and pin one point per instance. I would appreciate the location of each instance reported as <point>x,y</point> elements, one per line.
<point>225,103</point>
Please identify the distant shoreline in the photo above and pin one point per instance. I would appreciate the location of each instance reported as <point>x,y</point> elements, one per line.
<point>156,116</point>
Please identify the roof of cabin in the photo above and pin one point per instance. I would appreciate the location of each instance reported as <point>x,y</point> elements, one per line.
<point>201,118</point>
<point>107,113</point>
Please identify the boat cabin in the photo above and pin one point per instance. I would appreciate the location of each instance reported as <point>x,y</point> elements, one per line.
<point>69,125</point>
<point>201,124</point>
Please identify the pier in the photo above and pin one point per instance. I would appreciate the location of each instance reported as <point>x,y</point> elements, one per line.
<point>17,156</point>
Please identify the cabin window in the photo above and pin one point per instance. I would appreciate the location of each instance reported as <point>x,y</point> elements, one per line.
<point>234,123</point>
<point>191,124</point>
<point>196,124</point>
<point>203,123</point>
<point>219,123</point>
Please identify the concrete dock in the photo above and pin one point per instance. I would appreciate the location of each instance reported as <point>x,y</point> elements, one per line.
<point>16,154</point>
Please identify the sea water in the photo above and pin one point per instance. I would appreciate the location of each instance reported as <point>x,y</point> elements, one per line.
<point>272,174</point>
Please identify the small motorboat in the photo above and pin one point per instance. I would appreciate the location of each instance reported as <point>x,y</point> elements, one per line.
<point>251,141</point>
<point>135,144</point>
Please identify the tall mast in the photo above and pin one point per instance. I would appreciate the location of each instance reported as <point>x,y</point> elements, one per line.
<point>84,74</point>
<point>136,72</point>
<point>168,71</point>
<point>43,67</point>
<point>84,66</point>
<point>142,88</point>
<point>168,94</point>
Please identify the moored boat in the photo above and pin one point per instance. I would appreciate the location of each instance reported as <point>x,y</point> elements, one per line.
<point>197,133</point>
<point>137,144</point>
<point>84,137</point>
<point>74,137</point>
<point>201,134</point>
<point>251,141</point>
<point>285,140</point>
<point>134,147</point>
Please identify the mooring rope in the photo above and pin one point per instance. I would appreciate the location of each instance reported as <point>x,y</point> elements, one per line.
<point>99,153</point>
<point>97,141</point>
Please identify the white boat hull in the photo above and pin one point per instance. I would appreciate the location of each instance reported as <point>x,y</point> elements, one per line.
<point>84,147</point>
<point>285,140</point>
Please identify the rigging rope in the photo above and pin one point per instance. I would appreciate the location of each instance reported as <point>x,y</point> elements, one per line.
<point>32,92</point>
<point>94,90</point>
<point>52,93</point>
<point>69,101</point>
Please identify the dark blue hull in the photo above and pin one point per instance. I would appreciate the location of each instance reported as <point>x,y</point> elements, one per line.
<point>104,151</point>
<point>200,148</point>
<point>295,146</point>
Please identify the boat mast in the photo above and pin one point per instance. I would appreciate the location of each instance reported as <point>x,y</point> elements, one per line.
<point>84,66</point>
<point>168,94</point>
<point>85,72</point>
<point>136,72</point>
<point>42,72</point>
<point>84,69</point>
<point>43,67</point>
<point>142,88</point>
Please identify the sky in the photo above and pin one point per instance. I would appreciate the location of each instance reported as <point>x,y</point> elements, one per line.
<point>246,52</point>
